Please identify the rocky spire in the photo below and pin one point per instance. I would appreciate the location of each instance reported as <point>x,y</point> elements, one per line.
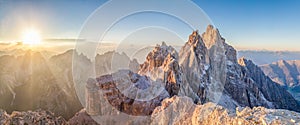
<point>211,36</point>
<point>162,63</point>
<point>194,62</point>
<point>217,61</point>
<point>156,58</point>
<point>241,61</point>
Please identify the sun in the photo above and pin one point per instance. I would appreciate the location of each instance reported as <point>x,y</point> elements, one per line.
<point>31,37</point>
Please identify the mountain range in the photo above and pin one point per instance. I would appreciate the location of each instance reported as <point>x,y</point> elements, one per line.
<point>286,74</point>
<point>262,57</point>
<point>33,81</point>
<point>205,72</point>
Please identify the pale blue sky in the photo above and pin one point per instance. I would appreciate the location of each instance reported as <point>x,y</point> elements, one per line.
<point>246,24</point>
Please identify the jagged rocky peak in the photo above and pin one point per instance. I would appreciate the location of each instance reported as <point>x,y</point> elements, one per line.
<point>217,62</point>
<point>196,40</point>
<point>194,52</point>
<point>159,54</point>
<point>212,36</point>
<point>162,63</point>
<point>241,61</point>
<point>193,59</point>
<point>196,44</point>
<point>248,63</point>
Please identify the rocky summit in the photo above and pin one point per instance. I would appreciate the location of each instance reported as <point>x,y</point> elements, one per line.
<point>162,63</point>
<point>212,73</point>
<point>206,71</point>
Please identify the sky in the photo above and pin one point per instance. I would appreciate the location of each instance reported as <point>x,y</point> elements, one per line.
<point>245,24</point>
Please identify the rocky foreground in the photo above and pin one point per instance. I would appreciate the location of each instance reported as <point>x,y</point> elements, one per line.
<point>173,111</point>
<point>182,110</point>
<point>38,117</point>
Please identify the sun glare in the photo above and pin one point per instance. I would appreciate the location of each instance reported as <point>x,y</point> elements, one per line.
<point>31,37</point>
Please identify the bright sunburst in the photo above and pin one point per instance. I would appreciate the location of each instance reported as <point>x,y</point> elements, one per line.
<point>31,37</point>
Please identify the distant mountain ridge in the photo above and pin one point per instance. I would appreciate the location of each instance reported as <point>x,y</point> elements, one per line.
<point>43,82</point>
<point>267,57</point>
<point>285,73</point>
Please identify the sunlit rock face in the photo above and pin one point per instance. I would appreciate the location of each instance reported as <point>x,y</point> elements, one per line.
<point>47,82</point>
<point>182,111</point>
<point>162,63</point>
<point>38,82</point>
